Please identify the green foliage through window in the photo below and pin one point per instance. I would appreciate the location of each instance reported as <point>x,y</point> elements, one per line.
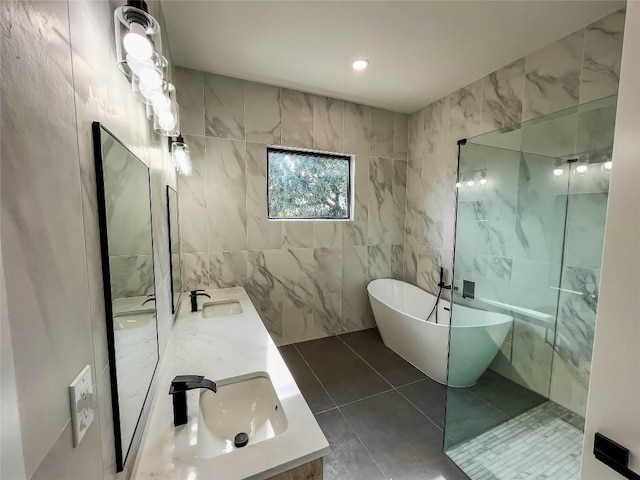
<point>308,185</point>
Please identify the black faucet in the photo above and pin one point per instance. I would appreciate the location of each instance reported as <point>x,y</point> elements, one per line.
<point>150,298</point>
<point>194,298</point>
<point>179,387</point>
<point>441,283</point>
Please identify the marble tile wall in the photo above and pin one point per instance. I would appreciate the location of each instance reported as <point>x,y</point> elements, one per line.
<point>509,237</point>
<point>307,279</point>
<point>51,249</point>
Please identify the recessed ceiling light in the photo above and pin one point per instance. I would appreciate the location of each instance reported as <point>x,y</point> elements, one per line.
<point>360,64</point>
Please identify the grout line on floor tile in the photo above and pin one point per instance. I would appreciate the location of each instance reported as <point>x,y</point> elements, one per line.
<point>420,380</point>
<point>363,445</point>
<point>365,398</point>
<point>417,381</point>
<point>367,363</point>
<point>314,374</point>
<point>393,388</point>
<point>325,411</point>
<point>421,412</point>
<point>340,411</point>
<point>489,403</point>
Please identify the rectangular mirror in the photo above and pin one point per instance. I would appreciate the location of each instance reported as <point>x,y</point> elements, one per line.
<point>124,212</point>
<point>174,248</point>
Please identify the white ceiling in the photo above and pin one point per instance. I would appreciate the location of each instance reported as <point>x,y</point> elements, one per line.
<point>419,51</point>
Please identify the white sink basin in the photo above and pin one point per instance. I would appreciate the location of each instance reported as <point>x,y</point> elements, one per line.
<point>133,319</point>
<point>222,308</point>
<point>245,405</point>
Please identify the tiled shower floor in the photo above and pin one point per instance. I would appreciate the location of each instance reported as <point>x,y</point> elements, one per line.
<point>382,417</point>
<point>542,443</point>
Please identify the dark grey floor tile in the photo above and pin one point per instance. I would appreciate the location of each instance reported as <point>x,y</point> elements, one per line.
<point>429,396</point>
<point>348,460</point>
<point>505,395</point>
<point>395,369</point>
<point>311,390</point>
<point>404,443</point>
<point>345,376</point>
<point>468,415</point>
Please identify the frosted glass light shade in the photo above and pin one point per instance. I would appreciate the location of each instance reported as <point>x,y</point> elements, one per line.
<point>166,121</point>
<point>137,44</point>
<point>181,157</point>
<point>137,36</point>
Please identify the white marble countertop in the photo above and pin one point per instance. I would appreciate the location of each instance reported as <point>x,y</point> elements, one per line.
<point>221,348</point>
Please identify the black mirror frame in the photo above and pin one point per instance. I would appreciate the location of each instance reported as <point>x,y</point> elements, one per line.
<point>174,304</point>
<point>97,128</point>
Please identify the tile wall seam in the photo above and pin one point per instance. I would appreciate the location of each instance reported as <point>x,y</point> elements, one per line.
<point>205,188</point>
<point>524,95</point>
<point>58,437</point>
<point>313,119</point>
<point>370,129</point>
<point>584,51</point>
<point>86,269</point>
<point>280,112</point>
<point>204,106</point>
<point>246,177</point>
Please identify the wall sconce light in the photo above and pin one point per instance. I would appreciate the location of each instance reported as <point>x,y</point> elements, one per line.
<point>606,166</point>
<point>137,33</point>
<point>139,56</point>
<point>166,117</point>
<point>181,155</point>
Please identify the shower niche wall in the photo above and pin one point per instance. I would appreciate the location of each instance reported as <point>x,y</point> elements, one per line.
<point>530,219</point>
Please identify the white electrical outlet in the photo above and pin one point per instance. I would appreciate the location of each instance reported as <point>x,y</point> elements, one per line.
<point>81,397</point>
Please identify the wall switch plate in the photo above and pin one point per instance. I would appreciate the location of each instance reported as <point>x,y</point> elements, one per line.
<point>81,397</point>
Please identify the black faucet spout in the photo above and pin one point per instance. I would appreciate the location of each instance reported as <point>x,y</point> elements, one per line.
<point>179,387</point>
<point>150,298</point>
<point>194,298</point>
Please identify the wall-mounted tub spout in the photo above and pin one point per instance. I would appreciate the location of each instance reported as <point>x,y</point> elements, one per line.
<point>441,286</point>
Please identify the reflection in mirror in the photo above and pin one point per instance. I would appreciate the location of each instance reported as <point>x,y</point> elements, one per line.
<point>124,208</point>
<point>174,247</point>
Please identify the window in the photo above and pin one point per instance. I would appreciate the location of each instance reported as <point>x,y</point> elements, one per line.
<point>308,185</point>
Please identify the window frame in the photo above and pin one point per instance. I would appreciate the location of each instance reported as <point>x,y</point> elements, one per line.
<point>349,158</point>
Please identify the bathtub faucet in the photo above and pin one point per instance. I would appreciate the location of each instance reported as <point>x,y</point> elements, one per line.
<point>441,282</point>
<point>441,286</point>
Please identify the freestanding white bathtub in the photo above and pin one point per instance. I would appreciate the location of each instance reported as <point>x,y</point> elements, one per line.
<point>400,311</point>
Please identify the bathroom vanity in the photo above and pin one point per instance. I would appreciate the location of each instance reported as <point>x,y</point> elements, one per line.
<point>256,395</point>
